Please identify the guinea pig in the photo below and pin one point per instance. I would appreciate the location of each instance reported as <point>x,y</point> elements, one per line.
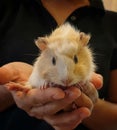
<point>66,60</point>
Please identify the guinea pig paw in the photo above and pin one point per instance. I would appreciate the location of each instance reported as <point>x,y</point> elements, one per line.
<point>44,86</point>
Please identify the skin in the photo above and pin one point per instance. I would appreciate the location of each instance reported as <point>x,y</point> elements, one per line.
<point>61,10</point>
<point>43,104</point>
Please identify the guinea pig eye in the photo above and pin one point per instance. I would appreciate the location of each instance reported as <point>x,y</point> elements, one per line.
<point>53,61</point>
<point>75,59</point>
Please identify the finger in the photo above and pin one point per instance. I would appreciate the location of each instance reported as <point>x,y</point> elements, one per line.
<point>55,106</point>
<point>26,97</point>
<point>68,120</point>
<point>17,87</point>
<point>45,96</point>
<point>84,101</point>
<point>97,80</point>
<point>48,94</point>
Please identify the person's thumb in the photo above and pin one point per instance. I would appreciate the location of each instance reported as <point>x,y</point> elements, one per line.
<point>7,73</point>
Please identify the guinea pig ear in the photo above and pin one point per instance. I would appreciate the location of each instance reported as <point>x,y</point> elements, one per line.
<point>84,38</point>
<point>41,43</point>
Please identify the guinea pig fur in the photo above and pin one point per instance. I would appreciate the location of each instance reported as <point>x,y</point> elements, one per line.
<point>66,60</point>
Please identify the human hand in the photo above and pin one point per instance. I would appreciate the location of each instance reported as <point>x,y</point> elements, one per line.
<point>17,72</point>
<point>49,103</point>
<point>46,104</point>
<point>89,89</point>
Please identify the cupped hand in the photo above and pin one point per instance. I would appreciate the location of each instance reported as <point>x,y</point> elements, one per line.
<point>47,104</point>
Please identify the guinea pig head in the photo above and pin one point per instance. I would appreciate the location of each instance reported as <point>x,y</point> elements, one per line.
<point>64,61</point>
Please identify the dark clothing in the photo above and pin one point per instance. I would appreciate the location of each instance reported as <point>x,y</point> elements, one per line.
<point>22,21</point>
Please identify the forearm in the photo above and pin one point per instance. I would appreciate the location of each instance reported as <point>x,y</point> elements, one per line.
<point>6,99</point>
<point>104,116</point>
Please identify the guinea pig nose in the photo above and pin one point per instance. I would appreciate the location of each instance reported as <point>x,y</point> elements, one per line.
<point>66,82</point>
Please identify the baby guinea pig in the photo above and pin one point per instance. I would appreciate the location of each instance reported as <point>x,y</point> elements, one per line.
<point>65,61</point>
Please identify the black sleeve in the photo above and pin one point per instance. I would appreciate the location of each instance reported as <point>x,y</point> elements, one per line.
<point>114,60</point>
<point>113,30</point>
<point>8,10</point>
